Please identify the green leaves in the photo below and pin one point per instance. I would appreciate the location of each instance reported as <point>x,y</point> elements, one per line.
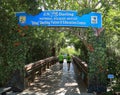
<point>84,11</point>
<point>97,58</point>
<point>19,46</point>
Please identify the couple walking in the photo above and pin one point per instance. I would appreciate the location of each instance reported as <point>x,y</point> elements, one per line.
<point>61,59</point>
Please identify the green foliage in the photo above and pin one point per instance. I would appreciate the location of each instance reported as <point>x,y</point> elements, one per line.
<point>84,11</point>
<point>69,50</point>
<point>107,93</point>
<point>21,45</point>
<point>30,6</point>
<point>112,38</point>
<point>97,59</point>
<point>116,88</point>
<point>42,42</point>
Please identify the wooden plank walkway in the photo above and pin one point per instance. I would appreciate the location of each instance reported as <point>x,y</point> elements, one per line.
<point>57,82</point>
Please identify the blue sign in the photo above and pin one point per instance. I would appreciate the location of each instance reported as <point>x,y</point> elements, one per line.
<point>60,18</point>
<point>110,76</point>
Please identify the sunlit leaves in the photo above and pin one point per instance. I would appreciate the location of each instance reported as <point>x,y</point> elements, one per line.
<point>20,45</point>
<point>84,11</point>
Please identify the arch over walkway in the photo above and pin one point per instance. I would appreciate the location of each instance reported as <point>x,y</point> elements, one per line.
<point>71,19</point>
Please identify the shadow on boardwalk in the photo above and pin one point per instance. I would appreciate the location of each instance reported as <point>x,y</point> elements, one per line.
<point>57,82</point>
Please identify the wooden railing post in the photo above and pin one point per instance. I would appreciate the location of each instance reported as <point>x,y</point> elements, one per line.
<point>82,66</point>
<point>37,68</point>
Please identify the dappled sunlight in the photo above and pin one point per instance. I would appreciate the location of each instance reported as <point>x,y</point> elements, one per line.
<point>65,91</point>
<point>84,63</point>
<point>55,82</point>
<point>60,90</point>
<point>71,84</point>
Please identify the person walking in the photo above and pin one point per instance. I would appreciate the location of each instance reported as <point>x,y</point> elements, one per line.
<point>61,58</point>
<point>68,61</point>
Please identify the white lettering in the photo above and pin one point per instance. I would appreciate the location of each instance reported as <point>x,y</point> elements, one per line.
<point>45,22</point>
<point>55,22</point>
<point>45,18</point>
<point>60,18</point>
<point>55,13</point>
<point>74,22</point>
<point>66,14</point>
<point>35,23</point>
<point>72,18</point>
<point>46,14</point>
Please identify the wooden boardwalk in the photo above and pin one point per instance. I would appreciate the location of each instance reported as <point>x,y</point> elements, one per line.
<point>57,82</point>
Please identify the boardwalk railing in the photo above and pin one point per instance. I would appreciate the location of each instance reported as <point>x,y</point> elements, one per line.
<point>36,68</point>
<point>83,68</point>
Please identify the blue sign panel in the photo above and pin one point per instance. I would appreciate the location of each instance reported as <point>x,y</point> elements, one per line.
<point>110,76</point>
<point>60,18</point>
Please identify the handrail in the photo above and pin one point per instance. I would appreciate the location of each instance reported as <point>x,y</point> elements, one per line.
<point>40,62</point>
<point>36,68</point>
<point>83,65</point>
<point>83,68</point>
